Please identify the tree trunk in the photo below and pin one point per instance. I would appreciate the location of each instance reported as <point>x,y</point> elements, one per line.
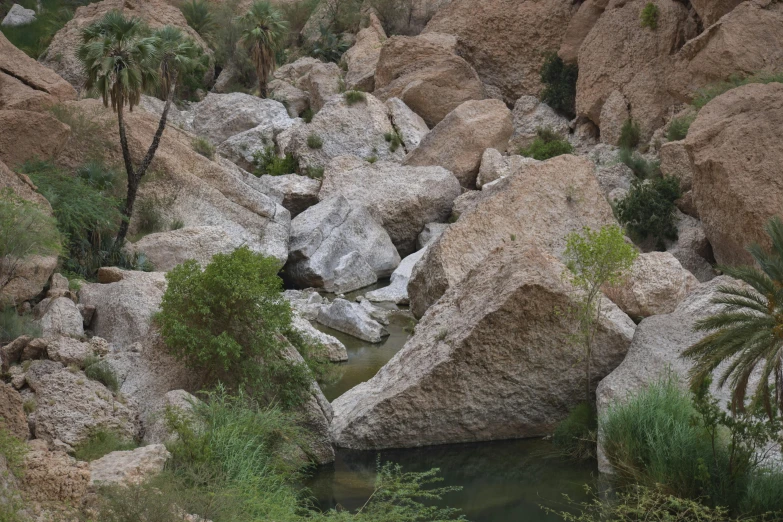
<point>132,183</point>
<point>158,133</point>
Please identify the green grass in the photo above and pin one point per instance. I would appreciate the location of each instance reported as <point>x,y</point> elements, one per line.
<point>204,147</point>
<point>630,135</point>
<point>267,162</point>
<point>649,16</point>
<point>546,145</point>
<point>394,139</point>
<point>13,325</point>
<point>712,91</point>
<point>678,127</point>
<point>641,167</point>
<point>102,443</point>
<point>575,436</point>
<point>354,97</point>
<point>314,141</point>
<point>99,370</point>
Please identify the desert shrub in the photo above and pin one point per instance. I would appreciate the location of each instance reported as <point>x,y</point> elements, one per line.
<point>307,115</point>
<point>102,443</point>
<point>649,16</point>
<point>149,217</point>
<point>329,47</point>
<point>204,147</point>
<point>100,371</point>
<point>559,81</point>
<point>648,210</point>
<point>314,141</point>
<point>297,14</point>
<point>547,144</point>
<point>226,322</point>
<point>13,325</point>
<point>177,224</point>
<point>266,161</point>
<point>678,127</point>
<point>575,436</point>
<point>314,172</point>
<point>354,97</point>
<point>641,167</point>
<point>107,179</point>
<point>712,91</point>
<point>394,139</point>
<point>199,17</point>
<point>25,230</point>
<point>630,135</point>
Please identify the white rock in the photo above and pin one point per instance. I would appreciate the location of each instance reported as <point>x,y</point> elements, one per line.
<point>128,467</point>
<point>220,116</point>
<point>352,319</point>
<point>17,16</point>
<point>335,350</point>
<point>397,291</point>
<point>62,318</point>
<point>411,127</point>
<point>529,115</point>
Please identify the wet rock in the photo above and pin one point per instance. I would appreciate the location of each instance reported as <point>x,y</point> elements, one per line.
<point>335,350</point>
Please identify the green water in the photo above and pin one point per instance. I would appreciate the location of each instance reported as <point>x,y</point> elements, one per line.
<point>502,481</point>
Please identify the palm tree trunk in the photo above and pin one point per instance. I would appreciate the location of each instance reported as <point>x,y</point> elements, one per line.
<point>158,133</point>
<point>132,183</point>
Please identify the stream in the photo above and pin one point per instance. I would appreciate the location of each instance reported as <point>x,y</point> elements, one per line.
<point>502,481</point>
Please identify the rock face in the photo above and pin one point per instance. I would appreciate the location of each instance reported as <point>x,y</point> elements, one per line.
<point>692,249</point>
<point>72,351</point>
<point>656,284</point>
<point>506,40</point>
<point>404,198</point>
<point>458,142</point>
<point>353,319</point>
<point>128,467</point>
<point>62,318</point>
<point>17,16</point>
<point>614,114</point>
<point>736,188</point>
<point>334,242</point>
<point>12,417</point>
<point>579,27</point>
<point>710,11</point>
<point>534,208</point>
<point>529,115</point>
<point>124,310</point>
<point>426,74</point>
<point>397,291</point>
<point>494,166</point>
<point>335,350</point>
<point>240,148</point>
<point>323,82</point>
<point>70,407</point>
<point>656,348</point>
<point>296,193</point>
<point>467,375</point>
<point>410,126</point>
<point>28,135</point>
<point>165,250</point>
<point>61,54</point>
<point>27,85</point>
<point>221,116</point>
<point>53,475</point>
<point>357,129</point>
<point>362,59</point>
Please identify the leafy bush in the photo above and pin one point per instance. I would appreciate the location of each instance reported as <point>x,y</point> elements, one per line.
<point>100,371</point>
<point>354,97</point>
<point>678,127</point>
<point>559,81</point>
<point>226,322</point>
<point>575,436</point>
<point>198,15</point>
<point>329,47</point>
<point>267,162</point>
<point>648,211</point>
<point>25,230</point>
<point>649,16</point>
<point>13,325</point>
<point>547,144</point>
<point>641,167</point>
<point>314,141</point>
<point>712,91</point>
<point>630,135</point>
<point>204,147</point>
<point>102,443</point>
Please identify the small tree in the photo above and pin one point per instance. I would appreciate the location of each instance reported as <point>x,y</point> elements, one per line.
<point>263,34</point>
<point>25,230</point>
<point>595,259</point>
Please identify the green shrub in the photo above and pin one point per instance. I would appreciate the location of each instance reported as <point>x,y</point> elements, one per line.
<point>649,16</point>
<point>100,371</point>
<point>329,47</point>
<point>226,322</point>
<point>641,167</point>
<point>630,135</point>
<point>13,325</point>
<point>353,97</point>
<point>204,147</point>
<point>297,14</point>
<point>559,81</point>
<point>13,450</point>
<point>314,141</point>
<point>547,145</point>
<point>394,139</point>
<point>198,15</point>
<point>307,115</point>
<point>177,224</point>
<point>314,172</point>
<point>102,443</point>
<point>267,162</point>
<point>648,211</point>
<point>149,218</point>
<point>678,127</point>
<point>575,436</point>
<point>712,91</point>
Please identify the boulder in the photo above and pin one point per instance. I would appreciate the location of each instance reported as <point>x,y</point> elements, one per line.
<point>296,100</point>
<point>71,407</point>
<point>335,350</point>
<point>404,198</point>
<point>676,162</point>
<point>166,250</point>
<point>124,310</point>
<point>17,16</point>
<point>397,291</point>
<point>431,232</point>
<point>241,148</point>
<point>333,242</point>
<point>322,82</point>
<point>221,116</point>
<point>357,129</point>
<point>495,166</point>
<point>736,162</point>
<point>465,376</point>
<point>12,417</point>
<point>552,199</point>
<point>427,75</point>
<point>579,27</point>
<point>30,135</point>
<point>614,114</point>
<point>294,192</point>
<point>126,468</point>
<point>506,41</point>
<point>410,126</point>
<point>656,284</point>
<point>53,476</point>
<point>72,351</point>
<point>530,115</point>
<point>353,319</point>
<point>62,318</point>
<point>710,11</point>
<point>362,59</point>
<point>692,249</point>
<point>458,142</point>
<point>25,84</point>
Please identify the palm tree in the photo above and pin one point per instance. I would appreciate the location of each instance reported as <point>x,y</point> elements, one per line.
<point>262,35</point>
<point>748,332</point>
<point>122,60</point>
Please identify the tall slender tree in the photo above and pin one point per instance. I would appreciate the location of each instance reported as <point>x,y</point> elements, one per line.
<point>123,59</point>
<point>264,31</point>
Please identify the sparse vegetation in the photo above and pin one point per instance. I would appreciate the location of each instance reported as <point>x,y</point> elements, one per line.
<point>314,141</point>
<point>559,81</point>
<point>354,97</point>
<point>263,33</point>
<point>712,91</point>
<point>546,145</point>
<point>639,165</point>
<point>266,161</point>
<point>630,135</point>
<point>102,443</point>
<point>576,436</point>
<point>678,127</point>
<point>648,211</point>
<point>329,47</point>
<point>307,115</point>
<point>314,172</point>
<point>99,370</point>
<point>149,216</point>
<point>394,139</point>
<point>204,147</point>
<point>13,325</point>
<point>649,16</point>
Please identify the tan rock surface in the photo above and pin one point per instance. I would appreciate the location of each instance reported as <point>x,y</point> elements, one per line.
<point>29,135</point>
<point>12,417</point>
<point>53,475</point>
<point>362,58</point>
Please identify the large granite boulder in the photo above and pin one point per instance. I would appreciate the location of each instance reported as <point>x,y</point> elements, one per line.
<point>353,319</point>
<point>339,246</point>
<point>397,291</point>
<point>542,206</point>
<point>296,193</point>
<point>53,476</point>
<point>491,360</point>
<point>411,128</point>
<point>17,16</point>
<point>458,142</point>
<point>335,351</point>
<point>221,116</point>
<point>426,73</point>
<point>405,198</point>
<point>127,468</point>
<point>30,135</point>
<point>62,318</point>
<point>530,115</point>
<point>362,59</point>
<point>12,417</point>
<point>166,250</point>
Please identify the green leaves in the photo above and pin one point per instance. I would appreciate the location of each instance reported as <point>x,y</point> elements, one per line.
<point>547,144</point>
<point>598,258</point>
<point>559,81</point>
<point>648,209</point>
